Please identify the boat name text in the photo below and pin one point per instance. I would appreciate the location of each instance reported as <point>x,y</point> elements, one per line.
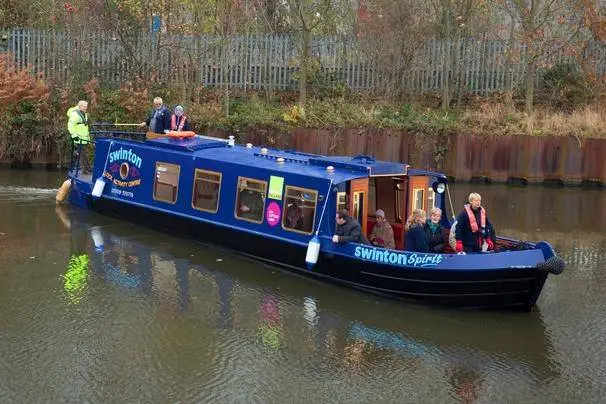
<point>127,155</point>
<point>396,258</point>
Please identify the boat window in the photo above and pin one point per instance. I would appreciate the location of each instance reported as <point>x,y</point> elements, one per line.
<point>299,209</point>
<point>419,195</point>
<point>166,183</point>
<point>250,200</point>
<point>207,185</point>
<point>341,201</point>
<point>431,199</point>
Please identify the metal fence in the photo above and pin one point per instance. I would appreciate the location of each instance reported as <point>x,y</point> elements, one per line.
<point>272,61</point>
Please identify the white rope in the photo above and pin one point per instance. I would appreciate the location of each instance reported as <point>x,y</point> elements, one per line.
<point>450,200</point>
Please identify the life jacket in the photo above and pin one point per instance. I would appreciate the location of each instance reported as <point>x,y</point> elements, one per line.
<point>173,122</point>
<point>78,128</point>
<point>472,219</point>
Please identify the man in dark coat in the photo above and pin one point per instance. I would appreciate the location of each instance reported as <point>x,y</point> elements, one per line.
<point>473,227</point>
<point>348,229</point>
<point>158,120</point>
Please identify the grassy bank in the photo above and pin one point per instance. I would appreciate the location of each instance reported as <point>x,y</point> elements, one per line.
<point>35,116</point>
<point>241,112</point>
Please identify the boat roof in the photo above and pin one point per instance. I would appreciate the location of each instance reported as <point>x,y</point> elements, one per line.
<point>312,165</point>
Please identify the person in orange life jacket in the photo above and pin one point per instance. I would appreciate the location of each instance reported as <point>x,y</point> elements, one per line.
<point>473,227</point>
<point>178,121</point>
<point>159,118</point>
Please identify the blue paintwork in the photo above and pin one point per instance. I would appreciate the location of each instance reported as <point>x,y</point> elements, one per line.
<point>299,169</point>
<point>546,249</point>
<point>230,161</point>
<point>398,272</point>
<point>452,262</point>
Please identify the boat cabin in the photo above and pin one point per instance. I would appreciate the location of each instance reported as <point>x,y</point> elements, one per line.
<point>396,195</point>
<point>284,194</point>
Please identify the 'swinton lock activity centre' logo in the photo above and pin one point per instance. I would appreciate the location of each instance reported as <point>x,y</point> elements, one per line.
<point>124,167</point>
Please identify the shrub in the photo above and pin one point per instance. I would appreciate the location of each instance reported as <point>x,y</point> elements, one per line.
<point>563,86</point>
<point>22,102</point>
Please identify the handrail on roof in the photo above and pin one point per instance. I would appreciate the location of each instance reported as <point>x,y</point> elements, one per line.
<point>277,156</point>
<point>129,135</point>
<point>219,139</point>
<point>338,164</point>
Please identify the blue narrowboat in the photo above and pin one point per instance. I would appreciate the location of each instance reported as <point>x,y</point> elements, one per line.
<point>240,197</point>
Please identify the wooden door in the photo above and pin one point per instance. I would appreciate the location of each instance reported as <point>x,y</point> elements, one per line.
<point>417,193</point>
<point>358,202</point>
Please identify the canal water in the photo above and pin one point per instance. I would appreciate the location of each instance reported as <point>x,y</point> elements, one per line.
<point>93,309</point>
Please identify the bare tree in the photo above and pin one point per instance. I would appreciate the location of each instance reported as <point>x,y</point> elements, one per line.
<point>392,36</point>
<point>544,28</point>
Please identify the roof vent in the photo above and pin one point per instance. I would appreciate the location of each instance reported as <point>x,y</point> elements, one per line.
<point>249,145</point>
<point>231,142</point>
<point>264,151</point>
<point>280,160</point>
<point>330,169</point>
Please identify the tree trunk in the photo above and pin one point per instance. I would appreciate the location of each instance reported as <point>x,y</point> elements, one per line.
<point>446,65</point>
<point>530,72</point>
<point>304,67</point>
<point>508,67</point>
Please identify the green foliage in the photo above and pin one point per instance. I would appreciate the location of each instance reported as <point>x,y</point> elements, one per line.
<point>432,122</point>
<point>563,86</point>
<point>31,124</point>
<point>21,136</point>
<point>247,114</point>
<point>323,84</point>
<point>326,84</point>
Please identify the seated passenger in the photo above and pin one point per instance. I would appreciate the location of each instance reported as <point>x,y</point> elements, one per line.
<point>474,228</point>
<point>348,229</point>
<point>382,233</point>
<point>250,204</point>
<point>434,232</point>
<point>294,217</point>
<point>451,236</point>
<point>415,235</point>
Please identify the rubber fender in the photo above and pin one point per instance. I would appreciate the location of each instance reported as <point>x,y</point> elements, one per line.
<point>554,265</point>
<point>63,191</point>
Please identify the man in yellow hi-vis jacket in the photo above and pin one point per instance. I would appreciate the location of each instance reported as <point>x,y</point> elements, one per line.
<point>77,126</point>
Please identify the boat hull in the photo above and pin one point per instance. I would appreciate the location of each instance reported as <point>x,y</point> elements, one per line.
<point>496,288</point>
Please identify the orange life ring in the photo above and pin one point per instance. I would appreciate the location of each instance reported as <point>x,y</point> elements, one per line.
<point>180,135</point>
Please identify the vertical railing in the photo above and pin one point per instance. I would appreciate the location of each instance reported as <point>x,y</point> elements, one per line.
<point>269,61</point>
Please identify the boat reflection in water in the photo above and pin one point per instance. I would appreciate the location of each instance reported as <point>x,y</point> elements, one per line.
<point>279,312</point>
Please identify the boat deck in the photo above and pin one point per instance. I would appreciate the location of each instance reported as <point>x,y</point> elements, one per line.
<point>83,177</point>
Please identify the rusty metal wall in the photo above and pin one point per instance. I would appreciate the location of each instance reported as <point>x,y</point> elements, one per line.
<point>526,159</point>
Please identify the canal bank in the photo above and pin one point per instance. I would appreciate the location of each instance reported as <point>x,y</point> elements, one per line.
<point>518,159</point>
